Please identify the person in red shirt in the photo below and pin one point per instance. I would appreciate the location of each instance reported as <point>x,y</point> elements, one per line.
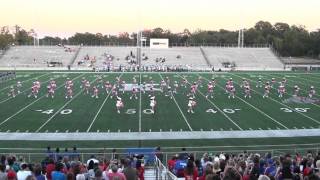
<point>172,162</point>
<point>49,168</point>
<point>140,170</point>
<point>190,171</point>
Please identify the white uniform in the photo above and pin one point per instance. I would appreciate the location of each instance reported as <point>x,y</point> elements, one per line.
<point>119,105</point>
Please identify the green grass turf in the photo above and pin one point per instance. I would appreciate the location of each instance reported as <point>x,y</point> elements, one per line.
<point>255,113</point>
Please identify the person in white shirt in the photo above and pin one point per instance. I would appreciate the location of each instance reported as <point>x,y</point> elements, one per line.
<point>24,172</point>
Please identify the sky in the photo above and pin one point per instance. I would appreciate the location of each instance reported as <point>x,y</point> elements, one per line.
<point>65,17</point>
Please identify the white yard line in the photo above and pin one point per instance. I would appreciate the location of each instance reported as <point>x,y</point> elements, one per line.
<point>140,104</point>
<point>30,104</point>
<point>225,115</point>
<point>57,112</point>
<point>257,109</point>
<point>314,120</point>
<point>98,112</point>
<point>184,117</point>
<point>25,80</point>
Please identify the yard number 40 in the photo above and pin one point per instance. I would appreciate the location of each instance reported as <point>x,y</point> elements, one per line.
<point>302,110</point>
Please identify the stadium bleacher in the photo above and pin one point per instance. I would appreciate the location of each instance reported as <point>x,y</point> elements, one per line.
<point>99,55</point>
<point>38,56</point>
<point>191,58</point>
<point>184,56</point>
<point>243,58</point>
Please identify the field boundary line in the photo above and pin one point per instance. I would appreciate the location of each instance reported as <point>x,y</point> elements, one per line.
<point>7,87</point>
<point>281,102</point>
<point>184,117</point>
<point>176,147</point>
<point>30,105</point>
<point>58,111</point>
<point>98,112</point>
<point>225,115</point>
<point>173,135</point>
<point>257,109</point>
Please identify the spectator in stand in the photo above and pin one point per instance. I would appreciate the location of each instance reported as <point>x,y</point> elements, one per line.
<point>307,170</point>
<point>80,177</point>
<point>270,169</point>
<point>317,169</point>
<point>3,174</point>
<point>114,174</point>
<point>208,172</point>
<point>13,165</point>
<point>58,174</point>
<point>216,168</point>
<point>57,154</point>
<point>91,168</point>
<point>158,153</point>
<point>172,162</point>
<point>11,175</point>
<point>3,159</point>
<point>66,153</point>
<point>24,172</point>
<point>37,171</point>
<point>114,155</point>
<point>49,152</point>
<point>70,176</point>
<point>75,155</point>
<point>98,175</point>
<point>230,173</point>
<point>184,154</point>
<point>179,166</point>
<point>140,169</point>
<point>130,172</point>
<point>199,167</point>
<point>50,168</point>
<point>190,171</point>
<point>263,177</point>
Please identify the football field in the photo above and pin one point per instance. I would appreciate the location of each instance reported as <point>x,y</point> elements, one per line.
<point>83,114</point>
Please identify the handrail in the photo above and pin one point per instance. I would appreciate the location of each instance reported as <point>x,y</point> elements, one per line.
<point>75,56</point>
<point>205,57</point>
<point>162,172</point>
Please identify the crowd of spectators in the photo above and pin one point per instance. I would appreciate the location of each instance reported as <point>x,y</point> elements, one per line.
<point>246,166</point>
<point>67,166</point>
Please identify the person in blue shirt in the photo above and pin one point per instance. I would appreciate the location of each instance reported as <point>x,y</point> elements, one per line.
<point>57,174</point>
<point>179,166</point>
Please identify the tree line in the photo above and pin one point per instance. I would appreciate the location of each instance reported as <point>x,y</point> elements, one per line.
<point>285,39</point>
